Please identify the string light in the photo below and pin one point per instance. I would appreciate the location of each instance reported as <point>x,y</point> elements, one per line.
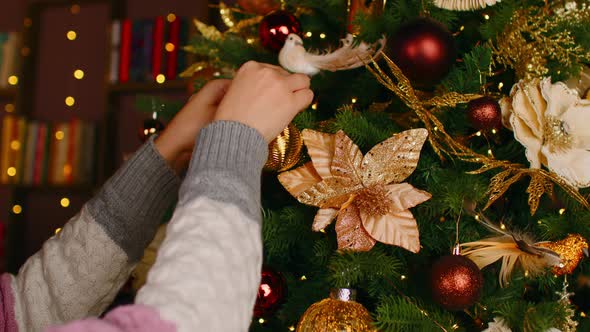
<point>250,40</point>
<point>490,152</point>
<point>486,16</point>
<point>442,219</point>
<point>160,78</point>
<point>322,35</point>
<point>171,17</point>
<point>478,133</point>
<point>17,209</point>
<point>403,277</point>
<point>308,34</point>
<point>502,226</point>
<point>291,328</point>
<point>67,170</point>
<point>561,211</point>
<point>261,321</point>
<point>323,231</point>
<point>583,314</point>
<point>13,80</point>
<point>15,145</point>
<point>455,326</point>
<point>314,106</point>
<point>64,202</point>
<point>75,9</point>
<point>79,74</point>
<point>9,108</point>
<point>494,131</point>
<point>70,101</point>
<point>71,35</point>
<point>169,47</point>
<point>354,100</point>
<point>11,171</point>
<point>59,135</point>
<point>303,278</point>
<point>477,217</point>
<point>57,230</point>
<point>500,85</point>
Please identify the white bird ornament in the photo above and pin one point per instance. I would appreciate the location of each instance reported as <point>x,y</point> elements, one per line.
<point>296,59</point>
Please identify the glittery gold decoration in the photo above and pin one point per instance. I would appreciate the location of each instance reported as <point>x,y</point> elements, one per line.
<point>571,250</point>
<point>532,39</point>
<point>445,145</point>
<point>364,193</point>
<point>285,150</point>
<point>555,135</point>
<point>336,314</point>
<point>208,31</point>
<point>570,325</point>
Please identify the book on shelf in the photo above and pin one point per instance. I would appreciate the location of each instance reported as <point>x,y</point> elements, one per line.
<point>143,49</point>
<point>10,45</point>
<point>41,153</point>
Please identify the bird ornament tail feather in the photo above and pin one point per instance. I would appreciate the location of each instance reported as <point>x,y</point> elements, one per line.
<point>513,249</point>
<point>349,55</point>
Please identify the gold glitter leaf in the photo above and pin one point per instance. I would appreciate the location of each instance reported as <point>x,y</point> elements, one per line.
<point>330,193</point>
<point>210,32</point>
<point>535,190</point>
<point>500,183</point>
<point>347,160</point>
<point>320,147</point>
<point>300,179</point>
<point>350,231</point>
<point>393,160</point>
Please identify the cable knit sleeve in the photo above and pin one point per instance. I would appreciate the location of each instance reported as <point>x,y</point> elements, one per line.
<point>207,272</point>
<point>78,272</point>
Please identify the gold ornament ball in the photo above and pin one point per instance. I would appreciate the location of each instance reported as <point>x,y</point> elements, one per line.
<point>571,250</point>
<point>285,150</point>
<point>338,313</point>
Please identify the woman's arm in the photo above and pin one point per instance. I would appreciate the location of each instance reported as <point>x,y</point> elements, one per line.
<point>78,272</point>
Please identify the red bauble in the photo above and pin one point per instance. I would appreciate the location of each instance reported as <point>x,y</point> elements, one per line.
<point>275,28</point>
<point>424,50</point>
<point>150,127</point>
<point>456,282</point>
<point>260,7</point>
<point>271,293</point>
<point>484,113</point>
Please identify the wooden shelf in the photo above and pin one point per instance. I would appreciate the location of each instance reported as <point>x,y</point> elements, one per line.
<point>147,87</point>
<point>8,92</point>
<point>90,188</point>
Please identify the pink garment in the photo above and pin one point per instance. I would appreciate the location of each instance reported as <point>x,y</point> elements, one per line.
<point>132,318</point>
<point>7,316</point>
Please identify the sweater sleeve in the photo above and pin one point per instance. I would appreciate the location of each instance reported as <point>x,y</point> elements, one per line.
<point>78,272</point>
<point>207,272</point>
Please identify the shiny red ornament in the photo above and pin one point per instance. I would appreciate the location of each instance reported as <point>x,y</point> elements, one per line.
<point>275,27</point>
<point>456,282</point>
<point>150,127</point>
<point>484,113</point>
<point>271,293</point>
<point>260,7</point>
<point>424,50</point>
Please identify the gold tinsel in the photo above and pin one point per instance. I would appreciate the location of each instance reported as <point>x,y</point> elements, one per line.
<point>284,151</point>
<point>445,145</point>
<point>533,38</point>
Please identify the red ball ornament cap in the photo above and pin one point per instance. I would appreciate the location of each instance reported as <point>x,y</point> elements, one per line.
<point>275,27</point>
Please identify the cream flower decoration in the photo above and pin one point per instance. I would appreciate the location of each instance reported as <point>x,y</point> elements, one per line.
<point>551,121</point>
<point>364,193</point>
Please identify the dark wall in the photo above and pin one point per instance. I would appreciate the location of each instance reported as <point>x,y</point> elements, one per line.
<point>53,81</point>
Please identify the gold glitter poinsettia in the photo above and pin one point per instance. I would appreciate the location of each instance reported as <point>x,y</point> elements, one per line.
<point>551,121</point>
<point>365,194</point>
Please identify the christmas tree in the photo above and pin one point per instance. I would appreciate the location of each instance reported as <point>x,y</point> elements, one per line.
<point>441,173</point>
